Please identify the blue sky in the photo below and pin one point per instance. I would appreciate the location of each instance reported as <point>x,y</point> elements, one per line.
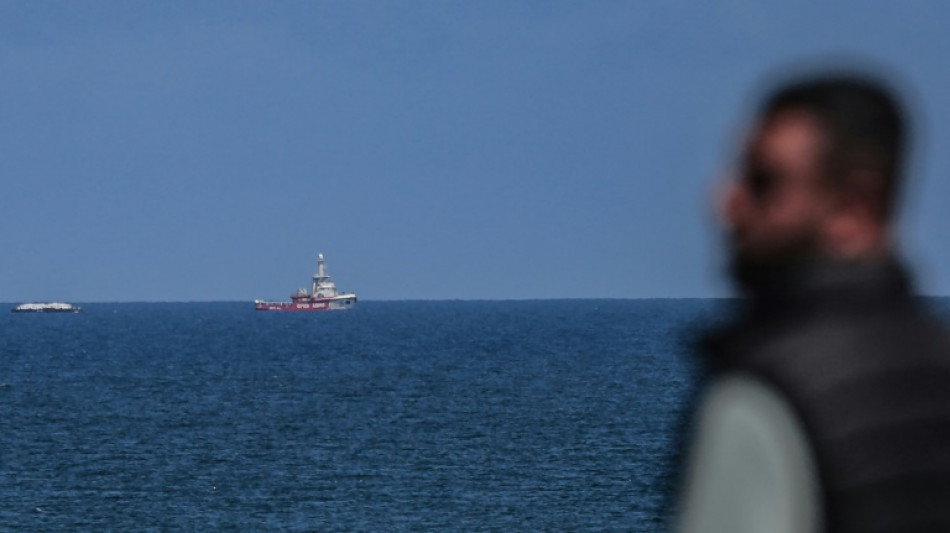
<point>181,151</point>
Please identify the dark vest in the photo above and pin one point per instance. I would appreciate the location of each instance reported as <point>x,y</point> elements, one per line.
<point>867,370</point>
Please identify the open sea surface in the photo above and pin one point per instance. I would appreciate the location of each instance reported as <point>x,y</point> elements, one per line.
<point>395,416</point>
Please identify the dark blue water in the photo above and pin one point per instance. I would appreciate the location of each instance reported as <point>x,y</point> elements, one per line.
<point>396,416</point>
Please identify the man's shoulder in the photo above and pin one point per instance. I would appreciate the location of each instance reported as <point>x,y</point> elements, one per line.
<point>809,355</point>
<point>751,467</point>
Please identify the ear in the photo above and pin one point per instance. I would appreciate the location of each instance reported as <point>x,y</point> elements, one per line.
<point>729,201</point>
<point>852,228</point>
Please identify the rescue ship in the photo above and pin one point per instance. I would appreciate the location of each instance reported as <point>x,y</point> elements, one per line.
<point>323,296</point>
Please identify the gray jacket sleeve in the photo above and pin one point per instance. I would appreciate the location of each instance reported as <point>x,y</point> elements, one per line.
<point>750,468</point>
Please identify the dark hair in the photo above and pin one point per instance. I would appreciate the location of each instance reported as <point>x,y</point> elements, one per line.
<point>866,130</point>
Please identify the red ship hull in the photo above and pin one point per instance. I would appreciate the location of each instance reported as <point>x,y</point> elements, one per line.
<point>309,306</point>
<point>293,306</point>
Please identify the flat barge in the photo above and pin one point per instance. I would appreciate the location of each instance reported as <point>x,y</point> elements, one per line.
<point>46,307</point>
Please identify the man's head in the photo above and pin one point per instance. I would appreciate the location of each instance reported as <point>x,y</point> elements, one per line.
<point>819,175</point>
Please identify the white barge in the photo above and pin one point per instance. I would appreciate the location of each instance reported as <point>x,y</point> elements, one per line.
<point>47,307</point>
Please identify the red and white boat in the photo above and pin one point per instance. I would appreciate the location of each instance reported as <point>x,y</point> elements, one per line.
<point>323,296</point>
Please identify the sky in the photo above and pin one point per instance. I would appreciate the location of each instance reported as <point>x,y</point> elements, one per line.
<point>209,150</point>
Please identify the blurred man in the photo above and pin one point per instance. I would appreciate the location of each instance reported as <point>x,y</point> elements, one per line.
<point>828,403</point>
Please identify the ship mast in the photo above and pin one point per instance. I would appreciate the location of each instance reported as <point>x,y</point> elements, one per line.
<point>320,276</point>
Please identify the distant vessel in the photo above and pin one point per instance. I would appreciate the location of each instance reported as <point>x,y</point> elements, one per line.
<point>47,307</point>
<point>323,296</point>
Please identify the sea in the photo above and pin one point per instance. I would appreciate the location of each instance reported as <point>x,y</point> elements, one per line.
<point>457,416</point>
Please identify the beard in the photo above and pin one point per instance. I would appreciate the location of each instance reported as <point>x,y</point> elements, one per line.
<point>754,268</point>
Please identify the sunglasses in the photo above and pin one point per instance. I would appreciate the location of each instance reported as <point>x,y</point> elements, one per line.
<point>759,180</point>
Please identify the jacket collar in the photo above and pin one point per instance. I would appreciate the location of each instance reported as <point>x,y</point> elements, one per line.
<point>827,284</point>
<point>797,291</point>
